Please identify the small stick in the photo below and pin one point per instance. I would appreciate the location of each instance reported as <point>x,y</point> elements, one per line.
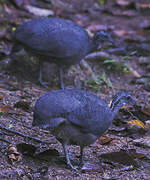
<point>23,135</point>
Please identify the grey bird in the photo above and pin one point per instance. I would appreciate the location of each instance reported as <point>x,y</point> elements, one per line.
<point>58,41</point>
<point>77,116</point>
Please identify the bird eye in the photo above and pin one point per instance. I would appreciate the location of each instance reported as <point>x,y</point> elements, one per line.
<point>128,98</point>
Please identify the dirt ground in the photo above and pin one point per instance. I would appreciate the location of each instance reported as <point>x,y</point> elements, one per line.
<point>124,151</point>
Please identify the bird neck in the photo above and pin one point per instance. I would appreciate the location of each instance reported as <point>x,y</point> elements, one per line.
<point>93,45</point>
<point>115,108</point>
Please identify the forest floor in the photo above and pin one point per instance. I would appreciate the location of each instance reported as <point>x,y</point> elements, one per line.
<point>28,152</point>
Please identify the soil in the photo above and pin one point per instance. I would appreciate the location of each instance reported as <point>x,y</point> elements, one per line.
<point>117,156</point>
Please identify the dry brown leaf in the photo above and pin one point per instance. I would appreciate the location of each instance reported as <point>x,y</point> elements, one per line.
<point>133,153</point>
<point>1,97</point>
<point>8,109</point>
<point>143,5</point>
<point>13,154</point>
<point>19,93</point>
<point>139,155</point>
<point>23,105</point>
<point>13,150</point>
<point>104,140</point>
<point>146,111</point>
<point>5,108</point>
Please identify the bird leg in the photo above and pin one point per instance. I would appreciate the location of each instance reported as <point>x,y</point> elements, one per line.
<point>81,156</point>
<point>67,157</point>
<point>61,77</point>
<point>40,75</point>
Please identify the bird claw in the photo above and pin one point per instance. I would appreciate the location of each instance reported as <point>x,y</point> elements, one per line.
<point>76,168</point>
<point>44,84</point>
<point>81,164</point>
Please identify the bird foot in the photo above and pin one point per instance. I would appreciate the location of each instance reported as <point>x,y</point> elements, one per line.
<point>76,168</point>
<point>44,84</point>
<point>81,164</point>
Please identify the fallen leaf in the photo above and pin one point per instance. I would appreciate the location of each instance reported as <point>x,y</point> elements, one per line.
<point>88,167</point>
<point>143,5</point>
<point>23,105</point>
<point>146,111</point>
<point>121,157</point>
<point>135,154</point>
<point>26,149</point>
<point>13,154</point>
<point>143,142</point>
<point>137,122</point>
<point>139,155</point>
<point>128,13</point>
<point>5,108</point>
<point>104,140</point>
<point>127,168</point>
<point>13,149</point>
<point>96,27</point>
<point>47,154</point>
<point>123,2</point>
<point>8,109</point>
<point>123,32</point>
<point>1,97</point>
<point>147,124</point>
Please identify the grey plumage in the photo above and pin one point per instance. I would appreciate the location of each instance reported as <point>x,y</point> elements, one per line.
<point>57,40</point>
<point>76,116</point>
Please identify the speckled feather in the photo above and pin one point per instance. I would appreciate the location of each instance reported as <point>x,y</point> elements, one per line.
<point>81,108</point>
<point>54,37</point>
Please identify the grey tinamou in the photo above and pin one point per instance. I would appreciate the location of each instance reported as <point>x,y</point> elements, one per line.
<point>76,116</point>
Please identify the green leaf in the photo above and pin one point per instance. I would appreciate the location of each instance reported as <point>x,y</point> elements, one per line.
<point>1,112</point>
<point>10,126</point>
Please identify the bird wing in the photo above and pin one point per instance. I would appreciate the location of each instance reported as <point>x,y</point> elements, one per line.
<point>80,108</point>
<point>52,124</point>
<point>53,105</point>
<point>91,119</point>
<point>52,38</point>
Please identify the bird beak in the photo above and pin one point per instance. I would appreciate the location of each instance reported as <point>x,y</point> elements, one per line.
<point>134,103</point>
<point>123,107</point>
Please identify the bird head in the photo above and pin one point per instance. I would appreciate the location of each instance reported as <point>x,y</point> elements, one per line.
<point>101,36</point>
<point>120,100</point>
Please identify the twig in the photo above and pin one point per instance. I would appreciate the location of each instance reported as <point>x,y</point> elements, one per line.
<point>101,56</point>
<point>23,135</point>
<point>4,140</point>
<point>86,66</point>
